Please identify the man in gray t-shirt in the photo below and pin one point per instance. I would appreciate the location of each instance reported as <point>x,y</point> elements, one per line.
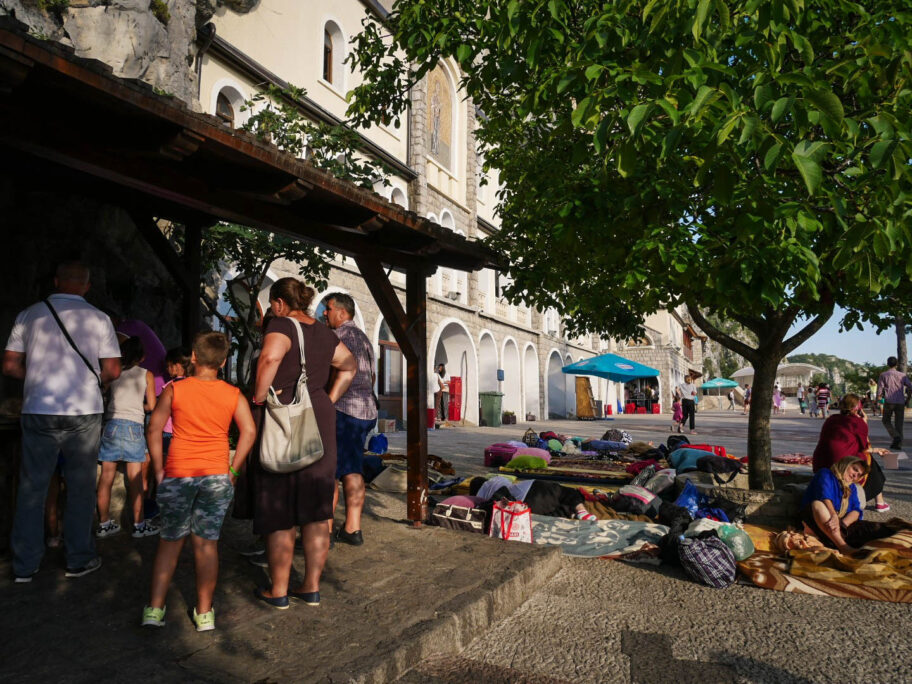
<point>356,415</point>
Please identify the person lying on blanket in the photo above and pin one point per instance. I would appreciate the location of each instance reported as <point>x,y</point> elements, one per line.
<point>846,434</point>
<point>542,497</point>
<point>831,511</point>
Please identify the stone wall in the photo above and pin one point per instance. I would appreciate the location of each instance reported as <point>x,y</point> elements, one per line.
<point>155,46</point>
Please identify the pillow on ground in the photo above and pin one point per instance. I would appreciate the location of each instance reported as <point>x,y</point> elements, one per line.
<point>532,451</point>
<point>639,493</point>
<point>527,463</point>
<point>464,500</point>
<point>555,445</point>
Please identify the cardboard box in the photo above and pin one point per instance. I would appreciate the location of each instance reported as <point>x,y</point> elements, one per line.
<point>386,425</point>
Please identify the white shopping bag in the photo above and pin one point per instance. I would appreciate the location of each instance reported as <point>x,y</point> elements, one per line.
<point>511,520</point>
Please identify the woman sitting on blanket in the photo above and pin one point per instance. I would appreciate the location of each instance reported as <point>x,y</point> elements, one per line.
<point>831,511</point>
<point>846,434</point>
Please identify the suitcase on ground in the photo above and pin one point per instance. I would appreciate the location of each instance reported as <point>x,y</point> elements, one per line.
<point>497,455</point>
<point>717,450</point>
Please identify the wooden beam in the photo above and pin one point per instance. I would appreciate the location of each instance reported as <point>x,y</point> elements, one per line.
<point>162,249</point>
<point>193,240</point>
<point>181,145</point>
<point>416,403</point>
<point>385,296</point>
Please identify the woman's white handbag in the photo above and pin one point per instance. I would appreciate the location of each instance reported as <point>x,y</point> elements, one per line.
<point>290,438</point>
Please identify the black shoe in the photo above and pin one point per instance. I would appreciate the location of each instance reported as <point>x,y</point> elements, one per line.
<point>895,447</point>
<point>353,538</point>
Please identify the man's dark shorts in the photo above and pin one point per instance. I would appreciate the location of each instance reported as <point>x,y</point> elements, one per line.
<point>351,433</point>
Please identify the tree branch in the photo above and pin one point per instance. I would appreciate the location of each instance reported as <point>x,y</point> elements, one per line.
<point>806,332</point>
<point>722,338</point>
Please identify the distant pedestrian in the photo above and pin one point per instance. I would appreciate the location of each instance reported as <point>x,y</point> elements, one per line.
<point>823,400</point>
<point>777,400</point>
<point>894,388</point>
<point>65,350</point>
<point>747,400</point>
<point>813,411</point>
<point>871,395</point>
<point>688,393</point>
<point>731,400</point>
<point>800,396</point>
<point>443,385</point>
<point>677,415</point>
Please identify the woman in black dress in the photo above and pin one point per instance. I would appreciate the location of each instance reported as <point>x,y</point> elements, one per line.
<point>302,498</point>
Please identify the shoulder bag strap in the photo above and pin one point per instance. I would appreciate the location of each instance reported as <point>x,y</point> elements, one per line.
<point>73,344</point>
<point>301,347</point>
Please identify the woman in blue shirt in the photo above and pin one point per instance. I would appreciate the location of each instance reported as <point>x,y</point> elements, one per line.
<point>832,511</point>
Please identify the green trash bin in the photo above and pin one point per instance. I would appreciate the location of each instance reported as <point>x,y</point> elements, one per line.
<point>490,408</point>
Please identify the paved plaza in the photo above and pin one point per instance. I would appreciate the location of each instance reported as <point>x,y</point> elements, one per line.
<point>431,605</point>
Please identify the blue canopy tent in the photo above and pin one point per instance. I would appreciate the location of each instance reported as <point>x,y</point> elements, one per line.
<point>611,367</point>
<point>719,384</point>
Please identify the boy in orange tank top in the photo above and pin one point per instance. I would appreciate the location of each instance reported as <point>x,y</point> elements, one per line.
<point>196,486</point>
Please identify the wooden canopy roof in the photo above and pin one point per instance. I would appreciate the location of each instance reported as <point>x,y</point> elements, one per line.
<point>160,155</point>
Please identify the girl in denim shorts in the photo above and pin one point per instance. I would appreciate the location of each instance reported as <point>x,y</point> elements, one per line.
<point>123,439</point>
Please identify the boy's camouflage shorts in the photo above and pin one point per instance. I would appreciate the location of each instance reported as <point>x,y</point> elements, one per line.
<point>194,504</point>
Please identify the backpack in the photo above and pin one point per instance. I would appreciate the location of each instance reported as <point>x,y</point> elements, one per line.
<point>675,441</point>
<point>378,444</point>
<point>706,559</point>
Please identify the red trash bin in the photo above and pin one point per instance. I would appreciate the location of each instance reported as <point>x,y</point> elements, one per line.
<point>608,410</point>
<point>431,418</point>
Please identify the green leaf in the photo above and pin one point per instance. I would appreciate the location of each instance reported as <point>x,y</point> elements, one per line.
<point>827,104</point>
<point>593,72</point>
<point>463,52</point>
<point>636,116</point>
<point>772,156</point>
<point>727,128</point>
<point>806,156</point>
<point>881,152</point>
<point>700,18</point>
<point>565,82</point>
<point>705,96</point>
<point>670,109</point>
<point>581,112</point>
<point>747,130</point>
<point>626,163</point>
<point>762,95</point>
<point>781,106</point>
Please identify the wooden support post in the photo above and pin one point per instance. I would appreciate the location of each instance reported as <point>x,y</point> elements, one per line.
<point>409,327</point>
<point>193,238</point>
<point>416,405</point>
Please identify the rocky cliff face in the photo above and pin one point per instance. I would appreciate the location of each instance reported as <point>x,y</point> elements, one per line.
<point>153,40</point>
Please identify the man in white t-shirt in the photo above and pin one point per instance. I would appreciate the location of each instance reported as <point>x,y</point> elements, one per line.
<point>61,415</point>
<point>443,386</point>
<point>688,393</point>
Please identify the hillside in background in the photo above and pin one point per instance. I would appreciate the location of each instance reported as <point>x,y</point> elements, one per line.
<point>844,375</point>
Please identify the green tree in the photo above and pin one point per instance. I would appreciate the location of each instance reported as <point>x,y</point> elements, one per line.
<point>749,158</point>
<point>250,254</point>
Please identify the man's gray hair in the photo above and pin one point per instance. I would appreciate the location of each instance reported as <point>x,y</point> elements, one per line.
<point>344,302</point>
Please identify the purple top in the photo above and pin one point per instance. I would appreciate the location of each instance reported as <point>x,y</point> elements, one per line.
<point>892,386</point>
<point>154,349</point>
<point>358,400</point>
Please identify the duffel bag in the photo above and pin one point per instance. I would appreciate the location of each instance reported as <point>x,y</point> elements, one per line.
<point>707,560</point>
<point>497,455</point>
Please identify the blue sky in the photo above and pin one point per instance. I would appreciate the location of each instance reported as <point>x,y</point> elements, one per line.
<point>860,346</point>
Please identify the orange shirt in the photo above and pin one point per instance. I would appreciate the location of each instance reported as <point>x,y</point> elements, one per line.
<point>202,411</point>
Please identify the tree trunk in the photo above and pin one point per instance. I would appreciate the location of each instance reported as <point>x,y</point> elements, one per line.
<point>901,352</point>
<point>759,444</point>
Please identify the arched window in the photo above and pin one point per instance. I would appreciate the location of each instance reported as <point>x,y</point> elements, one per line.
<point>333,54</point>
<point>224,110</point>
<point>398,197</point>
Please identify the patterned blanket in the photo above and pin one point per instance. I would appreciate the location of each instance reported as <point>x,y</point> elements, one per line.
<point>794,459</point>
<point>614,539</point>
<point>879,571</point>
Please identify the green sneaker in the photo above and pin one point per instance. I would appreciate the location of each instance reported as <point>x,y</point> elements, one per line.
<point>204,622</point>
<point>153,617</point>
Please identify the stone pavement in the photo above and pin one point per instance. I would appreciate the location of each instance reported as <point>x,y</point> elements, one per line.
<point>430,605</point>
<point>602,621</point>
